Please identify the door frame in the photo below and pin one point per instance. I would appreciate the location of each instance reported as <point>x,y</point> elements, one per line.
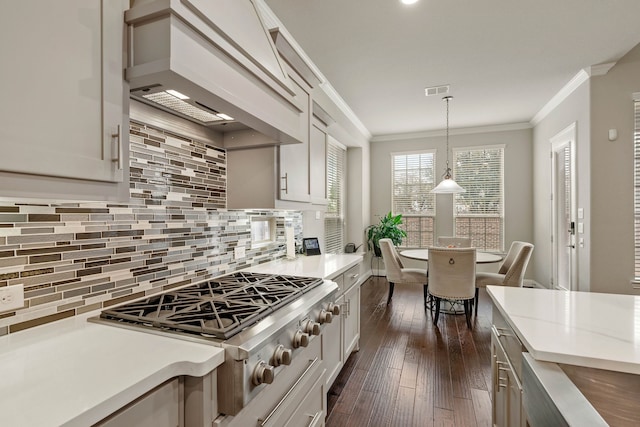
<point>566,136</point>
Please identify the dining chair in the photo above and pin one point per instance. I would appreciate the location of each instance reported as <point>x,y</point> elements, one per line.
<point>511,271</point>
<point>396,272</point>
<point>452,275</point>
<point>455,242</point>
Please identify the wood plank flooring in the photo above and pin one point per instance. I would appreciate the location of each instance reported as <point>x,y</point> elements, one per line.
<point>409,372</point>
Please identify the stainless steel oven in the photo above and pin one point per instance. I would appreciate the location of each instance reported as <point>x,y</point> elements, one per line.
<point>271,327</point>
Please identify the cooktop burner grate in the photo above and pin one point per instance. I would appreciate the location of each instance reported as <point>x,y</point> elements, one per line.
<point>219,308</point>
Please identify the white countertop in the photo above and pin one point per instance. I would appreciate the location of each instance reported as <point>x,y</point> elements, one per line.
<point>74,373</point>
<point>578,328</point>
<point>323,266</point>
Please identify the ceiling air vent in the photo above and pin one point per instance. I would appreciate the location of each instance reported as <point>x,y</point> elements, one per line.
<point>436,90</point>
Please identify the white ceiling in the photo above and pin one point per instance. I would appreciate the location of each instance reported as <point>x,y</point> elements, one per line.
<point>504,59</point>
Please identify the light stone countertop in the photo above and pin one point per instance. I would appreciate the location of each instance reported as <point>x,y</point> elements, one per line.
<point>323,266</point>
<point>74,373</point>
<point>578,328</point>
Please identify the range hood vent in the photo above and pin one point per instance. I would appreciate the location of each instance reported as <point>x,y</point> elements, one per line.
<point>175,102</point>
<point>213,63</point>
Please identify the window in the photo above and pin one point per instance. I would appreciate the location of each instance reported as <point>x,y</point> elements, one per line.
<point>636,184</point>
<point>413,176</point>
<point>479,212</point>
<point>334,218</point>
<point>262,231</point>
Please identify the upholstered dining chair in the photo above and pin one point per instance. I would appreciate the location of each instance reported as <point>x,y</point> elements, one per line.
<point>511,271</point>
<point>396,271</point>
<point>452,277</point>
<point>456,242</point>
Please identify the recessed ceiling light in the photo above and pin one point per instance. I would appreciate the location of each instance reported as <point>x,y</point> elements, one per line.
<point>409,1</point>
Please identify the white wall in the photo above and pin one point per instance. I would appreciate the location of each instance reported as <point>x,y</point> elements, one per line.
<point>606,262</point>
<point>574,109</point>
<point>518,177</point>
<point>612,228</point>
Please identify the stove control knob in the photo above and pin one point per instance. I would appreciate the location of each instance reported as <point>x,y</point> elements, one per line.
<point>334,308</point>
<point>263,373</point>
<point>300,339</point>
<point>312,328</point>
<point>282,356</point>
<point>325,317</point>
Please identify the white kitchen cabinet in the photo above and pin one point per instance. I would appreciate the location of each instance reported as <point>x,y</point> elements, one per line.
<point>351,321</point>
<point>63,104</point>
<point>318,163</point>
<point>293,163</point>
<point>161,407</point>
<point>332,354</point>
<point>335,354</point>
<point>506,370</point>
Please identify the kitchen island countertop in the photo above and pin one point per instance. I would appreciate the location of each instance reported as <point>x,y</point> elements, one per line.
<point>577,328</point>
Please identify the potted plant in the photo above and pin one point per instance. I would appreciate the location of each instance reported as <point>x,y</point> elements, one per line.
<point>389,227</point>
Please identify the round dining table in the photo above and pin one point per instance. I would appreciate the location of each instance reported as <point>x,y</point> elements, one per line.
<point>481,258</point>
<point>423,255</point>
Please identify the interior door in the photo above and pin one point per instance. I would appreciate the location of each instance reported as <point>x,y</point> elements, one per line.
<point>563,192</point>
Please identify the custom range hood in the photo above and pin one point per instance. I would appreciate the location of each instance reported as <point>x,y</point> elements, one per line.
<point>212,62</point>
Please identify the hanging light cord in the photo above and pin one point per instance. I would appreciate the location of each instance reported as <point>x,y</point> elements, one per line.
<point>447,172</point>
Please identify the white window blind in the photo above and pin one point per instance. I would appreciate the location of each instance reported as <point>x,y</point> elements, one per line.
<point>413,176</point>
<point>334,219</point>
<point>479,212</point>
<point>636,186</point>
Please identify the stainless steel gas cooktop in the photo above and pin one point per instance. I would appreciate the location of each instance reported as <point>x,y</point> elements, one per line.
<point>219,308</point>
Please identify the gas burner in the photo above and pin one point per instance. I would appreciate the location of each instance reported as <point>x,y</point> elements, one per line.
<point>217,308</point>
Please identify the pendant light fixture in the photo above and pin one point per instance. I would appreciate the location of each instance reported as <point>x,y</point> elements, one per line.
<point>447,185</point>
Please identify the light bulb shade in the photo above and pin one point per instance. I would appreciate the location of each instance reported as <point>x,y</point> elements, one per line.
<point>448,186</point>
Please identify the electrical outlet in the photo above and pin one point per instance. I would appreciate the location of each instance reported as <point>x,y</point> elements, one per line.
<point>11,297</point>
<point>238,252</point>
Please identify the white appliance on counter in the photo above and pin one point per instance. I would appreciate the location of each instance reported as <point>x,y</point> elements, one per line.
<point>271,327</point>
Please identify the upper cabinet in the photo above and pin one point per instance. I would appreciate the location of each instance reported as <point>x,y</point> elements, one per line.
<point>294,158</point>
<point>64,130</point>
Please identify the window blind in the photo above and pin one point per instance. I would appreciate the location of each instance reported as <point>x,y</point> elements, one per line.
<point>636,186</point>
<point>413,176</point>
<point>479,212</point>
<point>334,219</point>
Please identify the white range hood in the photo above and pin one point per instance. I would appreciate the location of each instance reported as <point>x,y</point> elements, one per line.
<point>211,62</point>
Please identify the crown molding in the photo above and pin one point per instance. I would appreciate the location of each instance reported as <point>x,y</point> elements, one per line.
<point>573,84</point>
<point>600,69</point>
<point>272,21</point>
<point>457,131</point>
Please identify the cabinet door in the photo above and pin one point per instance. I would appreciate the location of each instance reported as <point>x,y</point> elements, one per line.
<point>318,164</point>
<point>499,389</point>
<point>332,346</point>
<point>351,320</point>
<point>62,88</point>
<point>294,158</point>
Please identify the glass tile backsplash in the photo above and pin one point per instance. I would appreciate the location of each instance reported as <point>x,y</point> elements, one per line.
<point>175,230</point>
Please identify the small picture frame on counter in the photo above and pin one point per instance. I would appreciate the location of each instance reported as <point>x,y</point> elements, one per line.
<point>311,246</point>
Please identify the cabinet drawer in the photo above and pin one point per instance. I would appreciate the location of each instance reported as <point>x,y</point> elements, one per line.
<point>351,276</point>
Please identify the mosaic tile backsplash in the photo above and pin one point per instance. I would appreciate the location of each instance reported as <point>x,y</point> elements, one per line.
<point>81,257</point>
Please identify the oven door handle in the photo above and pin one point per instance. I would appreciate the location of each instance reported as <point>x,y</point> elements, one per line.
<point>315,420</point>
<point>291,389</point>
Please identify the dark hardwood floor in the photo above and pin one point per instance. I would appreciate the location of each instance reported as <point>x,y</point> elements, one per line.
<point>409,372</point>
